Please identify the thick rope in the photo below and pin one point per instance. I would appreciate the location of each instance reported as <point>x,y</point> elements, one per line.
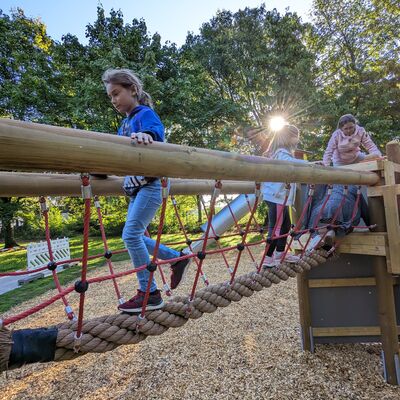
<point>106,333</point>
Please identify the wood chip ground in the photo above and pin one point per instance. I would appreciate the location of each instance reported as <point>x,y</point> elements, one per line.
<point>249,350</point>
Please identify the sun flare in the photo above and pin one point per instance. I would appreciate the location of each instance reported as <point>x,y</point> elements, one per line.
<point>277,123</point>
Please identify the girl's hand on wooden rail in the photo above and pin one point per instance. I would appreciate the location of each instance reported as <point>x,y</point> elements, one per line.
<point>142,137</point>
<point>372,157</point>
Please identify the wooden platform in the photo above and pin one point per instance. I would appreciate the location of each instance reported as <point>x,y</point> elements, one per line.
<point>369,243</point>
<point>387,191</point>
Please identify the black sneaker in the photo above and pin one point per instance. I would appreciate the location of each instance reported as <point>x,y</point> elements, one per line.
<point>179,270</point>
<point>135,304</point>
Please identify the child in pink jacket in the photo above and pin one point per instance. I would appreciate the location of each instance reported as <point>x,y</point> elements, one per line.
<point>344,145</point>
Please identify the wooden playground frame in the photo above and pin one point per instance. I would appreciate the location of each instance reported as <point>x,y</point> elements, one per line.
<point>33,147</point>
<point>383,248</point>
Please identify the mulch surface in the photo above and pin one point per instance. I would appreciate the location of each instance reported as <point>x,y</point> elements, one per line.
<point>249,350</point>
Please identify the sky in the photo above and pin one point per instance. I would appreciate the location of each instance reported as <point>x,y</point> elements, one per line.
<point>172,19</point>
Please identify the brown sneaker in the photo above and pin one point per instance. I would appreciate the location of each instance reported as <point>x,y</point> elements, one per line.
<point>179,270</point>
<point>135,304</point>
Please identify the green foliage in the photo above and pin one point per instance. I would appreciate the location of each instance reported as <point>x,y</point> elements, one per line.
<point>112,44</point>
<point>240,69</point>
<point>187,209</point>
<point>29,82</point>
<point>357,44</point>
<point>8,207</point>
<point>258,62</point>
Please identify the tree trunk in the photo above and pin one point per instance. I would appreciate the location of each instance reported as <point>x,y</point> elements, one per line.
<point>199,214</point>
<point>7,210</point>
<point>9,240</point>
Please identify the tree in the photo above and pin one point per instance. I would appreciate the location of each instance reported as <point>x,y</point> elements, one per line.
<point>112,44</point>
<point>29,87</point>
<point>358,46</point>
<point>8,208</point>
<point>258,63</point>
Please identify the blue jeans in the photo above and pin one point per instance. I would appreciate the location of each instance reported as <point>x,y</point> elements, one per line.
<point>142,208</point>
<point>344,217</point>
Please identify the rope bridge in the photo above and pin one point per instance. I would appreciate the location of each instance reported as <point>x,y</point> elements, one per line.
<point>78,336</point>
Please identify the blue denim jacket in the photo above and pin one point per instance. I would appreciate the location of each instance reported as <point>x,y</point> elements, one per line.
<point>275,192</point>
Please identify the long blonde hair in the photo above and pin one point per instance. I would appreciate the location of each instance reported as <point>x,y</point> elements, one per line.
<point>281,139</point>
<point>129,80</point>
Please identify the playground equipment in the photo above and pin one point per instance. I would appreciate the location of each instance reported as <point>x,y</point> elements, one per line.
<point>33,147</point>
<point>26,146</point>
<point>356,298</point>
<point>35,184</point>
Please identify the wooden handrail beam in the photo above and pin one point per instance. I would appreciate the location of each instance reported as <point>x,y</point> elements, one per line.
<point>26,184</point>
<point>33,147</point>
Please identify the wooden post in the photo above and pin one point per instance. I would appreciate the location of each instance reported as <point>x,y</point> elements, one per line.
<point>302,285</point>
<point>392,227</point>
<point>393,153</point>
<point>34,147</point>
<point>304,310</point>
<point>384,287</point>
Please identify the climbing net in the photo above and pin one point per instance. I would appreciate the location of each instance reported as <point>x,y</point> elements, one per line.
<point>71,335</point>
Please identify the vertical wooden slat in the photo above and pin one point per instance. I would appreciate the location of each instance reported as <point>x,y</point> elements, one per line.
<point>392,227</point>
<point>304,309</point>
<point>302,286</point>
<point>385,294</point>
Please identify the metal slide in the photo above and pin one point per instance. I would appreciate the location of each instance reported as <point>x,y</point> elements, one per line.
<point>223,220</point>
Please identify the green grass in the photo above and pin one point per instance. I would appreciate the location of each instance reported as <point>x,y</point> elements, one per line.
<point>14,260</point>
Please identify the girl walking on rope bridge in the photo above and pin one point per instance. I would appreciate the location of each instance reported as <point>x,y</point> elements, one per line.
<point>281,147</point>
<point>344,145</point>
<point>143,125</point>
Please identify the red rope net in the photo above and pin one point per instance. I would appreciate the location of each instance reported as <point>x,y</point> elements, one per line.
<point>82,286</point>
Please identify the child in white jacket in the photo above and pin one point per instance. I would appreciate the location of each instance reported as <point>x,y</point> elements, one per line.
<point>282,147</point>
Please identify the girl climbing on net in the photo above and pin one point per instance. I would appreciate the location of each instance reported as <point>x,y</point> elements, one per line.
<point>143,126</point>
<point>344,146</point>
